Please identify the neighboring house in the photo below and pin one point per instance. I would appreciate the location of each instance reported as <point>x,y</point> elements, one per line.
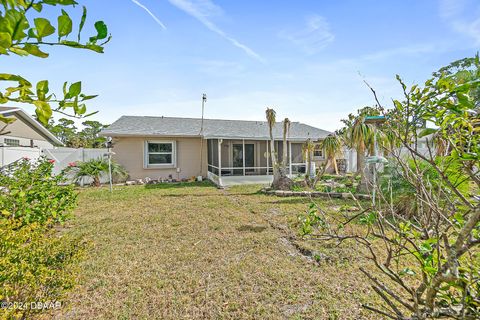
<point>226,151</point>
<point>25,137</point>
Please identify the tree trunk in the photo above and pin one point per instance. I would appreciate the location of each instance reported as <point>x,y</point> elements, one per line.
<point>363,186</point>
<point>335,165</point>
<point>96,181</point>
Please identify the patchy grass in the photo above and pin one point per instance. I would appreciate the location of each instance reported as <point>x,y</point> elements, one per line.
<point>191,251</point>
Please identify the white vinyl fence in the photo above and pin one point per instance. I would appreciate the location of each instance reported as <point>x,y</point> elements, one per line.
<point>65,156</point>
<point>12,154</point>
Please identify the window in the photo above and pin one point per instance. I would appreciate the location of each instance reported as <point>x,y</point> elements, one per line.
<point>159,153</point>
<point>12,142</point>
<point>318,151</point>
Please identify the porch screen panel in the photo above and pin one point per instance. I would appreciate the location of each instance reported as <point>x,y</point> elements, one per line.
<point>297,154</point>
<point>212,145</point>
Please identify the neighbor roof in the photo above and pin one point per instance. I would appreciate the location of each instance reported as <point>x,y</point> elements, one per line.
<point>212,128</point>
<point>34,124</point>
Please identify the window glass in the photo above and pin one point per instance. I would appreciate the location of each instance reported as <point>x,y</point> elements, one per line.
<point>160,153</point>
<point>159,158</point>
<point>318,151</point>
<point>12,142</point>
<point>159,147</point>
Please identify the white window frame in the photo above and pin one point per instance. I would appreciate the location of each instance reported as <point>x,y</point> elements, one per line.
<point>322,157</point>
<point>147,165</point>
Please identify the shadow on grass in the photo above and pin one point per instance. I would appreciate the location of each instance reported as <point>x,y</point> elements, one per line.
<point>289,201</point>
<point>179,185</point>
<point>250,228</point>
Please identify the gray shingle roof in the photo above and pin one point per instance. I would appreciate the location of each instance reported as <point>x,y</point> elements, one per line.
<point>213,128</point>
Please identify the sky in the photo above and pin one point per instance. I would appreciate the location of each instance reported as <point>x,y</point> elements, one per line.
<point>305,58</point>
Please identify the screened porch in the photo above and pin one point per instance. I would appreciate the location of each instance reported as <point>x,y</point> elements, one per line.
<point>233,161</point>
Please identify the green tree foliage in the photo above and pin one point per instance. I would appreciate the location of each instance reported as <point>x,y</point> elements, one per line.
<point>25,30</point>
<point>66,131</point>
<point>426,264</point>
<point>332,144</point>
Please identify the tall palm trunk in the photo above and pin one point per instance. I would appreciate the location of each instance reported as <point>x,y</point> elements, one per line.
<point>286,128</point>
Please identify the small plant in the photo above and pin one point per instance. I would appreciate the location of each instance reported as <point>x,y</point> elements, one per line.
<point>95,169</point>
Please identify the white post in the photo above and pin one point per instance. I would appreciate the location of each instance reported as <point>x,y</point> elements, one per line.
<point>219,158</point>
<point>268,161</point>
<point>110,169</point>
<point>290,156</point>
<point>243,155</point>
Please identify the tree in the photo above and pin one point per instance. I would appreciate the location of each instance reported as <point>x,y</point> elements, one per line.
<point>332,145</point>
<point>271,116</point>
<point>358,136</point>
<point>90,134</point>
<point>427,265</point>
<point>280,179</point>
<point>24,33</point>
<point>66,131</point>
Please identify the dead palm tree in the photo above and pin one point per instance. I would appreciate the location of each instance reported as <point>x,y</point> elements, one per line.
<point>332,145</point>
<point>286,129</point>
<point>271,119</point>
<point>307,150</point>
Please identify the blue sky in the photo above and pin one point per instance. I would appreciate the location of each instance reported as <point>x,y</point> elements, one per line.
<point>307,59</point>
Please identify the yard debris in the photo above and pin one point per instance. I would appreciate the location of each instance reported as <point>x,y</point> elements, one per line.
<point>315,194</point>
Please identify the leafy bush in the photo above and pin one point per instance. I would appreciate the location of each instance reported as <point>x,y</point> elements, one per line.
<point>402,192</point>
<point>36,265</point>
<point>95,168</point>
<point>37,262</point>
<point>31,192</point>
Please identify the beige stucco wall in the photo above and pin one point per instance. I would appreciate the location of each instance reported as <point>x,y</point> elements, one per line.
<point>21,131</point>
<point>129,152</point>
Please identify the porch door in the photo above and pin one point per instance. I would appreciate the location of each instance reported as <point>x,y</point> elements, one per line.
<point>238,157</point>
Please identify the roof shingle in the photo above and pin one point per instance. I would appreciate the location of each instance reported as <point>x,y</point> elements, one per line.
<point>212,128</point>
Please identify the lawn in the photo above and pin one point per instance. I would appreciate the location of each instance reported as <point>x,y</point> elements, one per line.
<point>197,252</point>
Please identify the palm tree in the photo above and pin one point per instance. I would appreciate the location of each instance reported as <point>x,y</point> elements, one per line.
<point>332,145</point>
<point>286,129</point>
<point>307,150</point>
<point>271,119</point>
<point>95,168</point>
<point>360,137</point>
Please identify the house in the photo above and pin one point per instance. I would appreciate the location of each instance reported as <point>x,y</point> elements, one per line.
<point>226,151</point>
<point>25,137</point>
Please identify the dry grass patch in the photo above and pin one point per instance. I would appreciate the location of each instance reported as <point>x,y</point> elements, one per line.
<point>196,252</point>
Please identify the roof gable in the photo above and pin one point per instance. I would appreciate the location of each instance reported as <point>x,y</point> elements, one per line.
<point>38,130</point>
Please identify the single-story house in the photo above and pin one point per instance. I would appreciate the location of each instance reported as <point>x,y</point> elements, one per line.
<point>25,137</point>
<point>226,151</point>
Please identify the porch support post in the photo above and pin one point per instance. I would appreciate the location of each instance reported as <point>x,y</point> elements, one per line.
<point>243,156</point>
<point>290,157</point>
<point>220,158</point>
<point>268,160</point>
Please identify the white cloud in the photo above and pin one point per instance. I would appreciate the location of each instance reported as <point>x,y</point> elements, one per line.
<point>150,13</point>
<point>313,37</point>
<point>454,12</point>
<point>203,10</point>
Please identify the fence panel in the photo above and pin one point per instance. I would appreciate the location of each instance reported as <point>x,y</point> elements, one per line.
<point>64,156</point>
<point>12,154</point>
